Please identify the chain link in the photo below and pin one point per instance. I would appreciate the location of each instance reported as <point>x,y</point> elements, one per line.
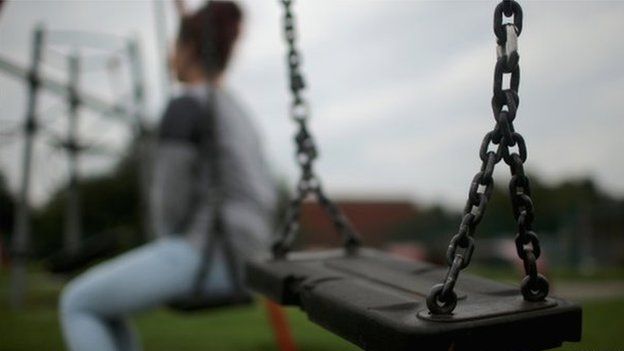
<point>442,299</point>
<point>306,153</point>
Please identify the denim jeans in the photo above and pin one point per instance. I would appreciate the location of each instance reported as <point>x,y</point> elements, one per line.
<point>96,305</point>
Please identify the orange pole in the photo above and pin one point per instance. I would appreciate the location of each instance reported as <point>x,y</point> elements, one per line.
<point>279,324</point>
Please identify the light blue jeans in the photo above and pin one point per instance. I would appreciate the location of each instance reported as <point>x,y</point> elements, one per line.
<point>95,306</point>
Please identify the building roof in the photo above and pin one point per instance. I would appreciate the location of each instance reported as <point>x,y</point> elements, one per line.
<point>374,219</point>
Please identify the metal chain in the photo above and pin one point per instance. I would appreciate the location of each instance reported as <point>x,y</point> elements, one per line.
<point>306,154</point>
<point>442,299</point>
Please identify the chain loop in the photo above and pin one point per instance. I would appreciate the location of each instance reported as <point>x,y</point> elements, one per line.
<point>441,298</point>
<point>483,150</point>
<point>508,8</point>
<point>306,153</point>
<point>437,305</point>
<point>534,289</point>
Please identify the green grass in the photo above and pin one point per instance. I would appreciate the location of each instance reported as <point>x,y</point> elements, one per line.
<point>233,329</point>
<point>239,328</point>
<point>603,323</point>
<point>243,328</point>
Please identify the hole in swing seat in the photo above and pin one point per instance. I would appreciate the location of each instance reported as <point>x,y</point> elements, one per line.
<point>377,302</point>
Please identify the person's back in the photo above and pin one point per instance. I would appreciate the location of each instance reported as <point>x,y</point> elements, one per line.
<point>183,192</point>
<point>208,165</point>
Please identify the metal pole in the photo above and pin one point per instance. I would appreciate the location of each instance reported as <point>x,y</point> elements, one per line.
<point>143,151</point>
<point>72,232</point>
<point>21,237</point>
<point>160,22</point>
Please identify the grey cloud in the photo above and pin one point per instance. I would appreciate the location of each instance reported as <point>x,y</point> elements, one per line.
<point>400,90</point>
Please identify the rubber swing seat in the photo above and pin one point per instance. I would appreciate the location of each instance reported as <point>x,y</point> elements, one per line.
<point>377,302</point>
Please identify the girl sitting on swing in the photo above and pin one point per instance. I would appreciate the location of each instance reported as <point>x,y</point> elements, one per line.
<point>204,131</point>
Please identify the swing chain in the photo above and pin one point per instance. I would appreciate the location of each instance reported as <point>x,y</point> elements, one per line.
<point>442,299</point>
<point>306,154</point>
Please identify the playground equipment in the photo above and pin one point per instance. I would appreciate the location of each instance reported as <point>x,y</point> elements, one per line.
<point>75,99</point>
<point>381,303</point>
<point>78,253</point>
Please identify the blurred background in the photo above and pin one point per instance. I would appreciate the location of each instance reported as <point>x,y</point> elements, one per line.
<point>400,99</point>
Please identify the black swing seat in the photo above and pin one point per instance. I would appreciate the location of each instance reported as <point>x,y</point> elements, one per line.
<point>199,304</point>
<point>377,302</point>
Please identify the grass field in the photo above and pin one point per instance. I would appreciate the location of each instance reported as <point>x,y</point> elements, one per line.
<point>243,328</point>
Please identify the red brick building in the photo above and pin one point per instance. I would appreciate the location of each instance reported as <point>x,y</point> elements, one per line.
<point>375,220</point>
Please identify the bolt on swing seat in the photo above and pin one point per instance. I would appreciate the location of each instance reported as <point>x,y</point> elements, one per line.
<point>380,302</point>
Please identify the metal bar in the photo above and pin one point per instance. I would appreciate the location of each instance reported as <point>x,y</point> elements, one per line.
<point>281,329</point>
<point>72,233</point>
<point>144,139</point>
<point>161,41</point>
<point>21,238</point>
<point>102,41</point>
<point>91,102</point>
<point>138,91</point>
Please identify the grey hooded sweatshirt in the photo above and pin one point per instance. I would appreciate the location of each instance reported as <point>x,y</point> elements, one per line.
<point>183,194</point>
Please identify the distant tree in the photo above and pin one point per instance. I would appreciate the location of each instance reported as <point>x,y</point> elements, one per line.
<point>109,204</point>
<point>576,206</point>
<point>7,207</point>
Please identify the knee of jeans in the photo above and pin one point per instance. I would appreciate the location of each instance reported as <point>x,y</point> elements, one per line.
<point>73,298</point>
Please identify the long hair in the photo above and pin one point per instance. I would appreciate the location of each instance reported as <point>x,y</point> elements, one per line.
<point>211,32</point>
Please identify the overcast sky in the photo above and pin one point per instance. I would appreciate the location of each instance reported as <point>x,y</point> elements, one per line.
<point>400,90</point>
